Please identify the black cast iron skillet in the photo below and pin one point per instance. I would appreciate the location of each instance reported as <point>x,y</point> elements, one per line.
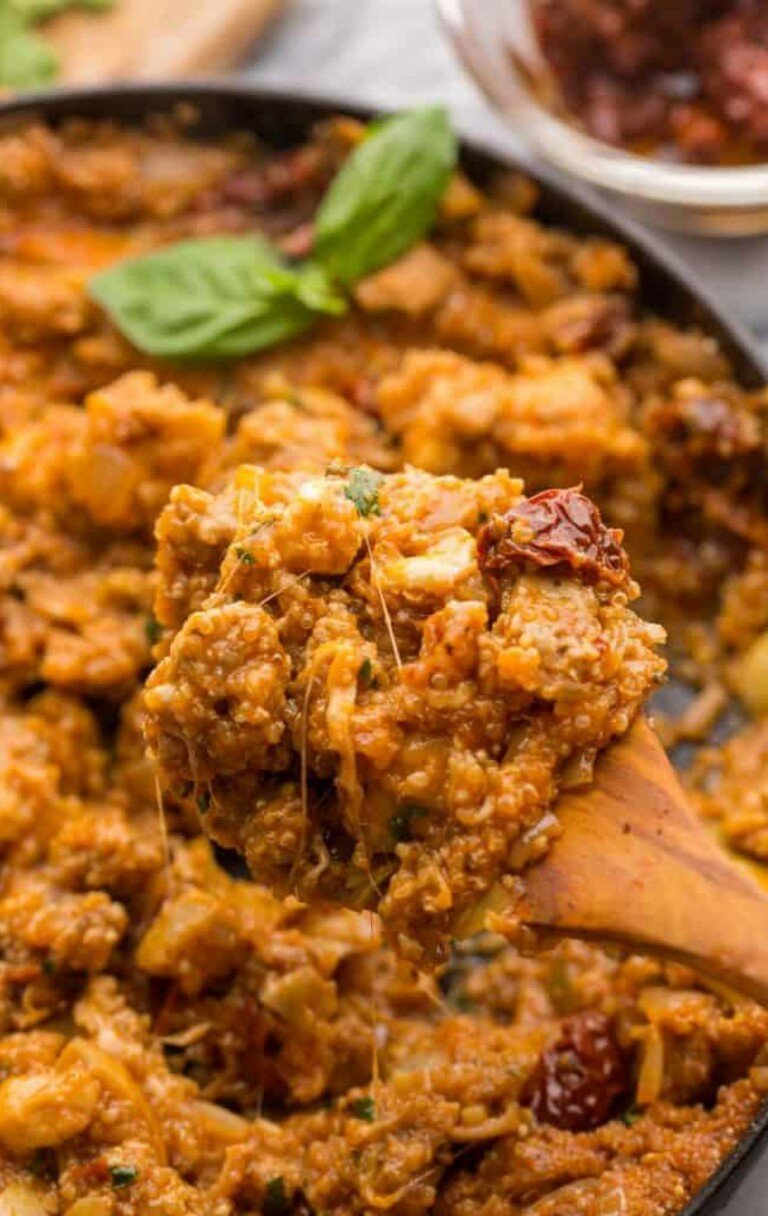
<point>740,1186</point>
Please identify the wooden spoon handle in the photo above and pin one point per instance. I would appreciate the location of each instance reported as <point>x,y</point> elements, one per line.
<point>151,39</point>
<point>635,865</point>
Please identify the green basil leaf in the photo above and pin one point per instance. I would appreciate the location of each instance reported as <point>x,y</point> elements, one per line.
<point>214,298</point>
<point>26,60</point>
<point>385,196</point>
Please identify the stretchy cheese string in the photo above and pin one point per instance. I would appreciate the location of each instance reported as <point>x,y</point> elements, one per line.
<point>384,608</point>
<point>303,776</point>
<point>163,826</point>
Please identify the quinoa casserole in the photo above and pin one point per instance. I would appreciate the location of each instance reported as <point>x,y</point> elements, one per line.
<point>297,648</point>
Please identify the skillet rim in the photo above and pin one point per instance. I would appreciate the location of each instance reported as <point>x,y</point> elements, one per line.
<point>667,284</point>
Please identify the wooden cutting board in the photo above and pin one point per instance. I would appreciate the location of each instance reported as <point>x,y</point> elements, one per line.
<point>153,39</point>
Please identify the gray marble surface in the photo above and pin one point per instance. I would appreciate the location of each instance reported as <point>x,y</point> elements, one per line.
<point>391,53</point>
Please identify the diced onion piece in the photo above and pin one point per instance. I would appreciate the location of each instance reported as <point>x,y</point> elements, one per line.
<point>44,1109</point>
<point>92,1205</point>
<point>659,1003</point>
<point>650,1080</point>
<point>115,1079</point>
<point>506,1124</point>
<point>25,1199</point>
<point>758,1073</point>
<point>759,1078</point>
<point>612,1203</point>
<point>437,572</point>
<point>299,996</point>
<point>222,1125</point>
<point>750,677</point>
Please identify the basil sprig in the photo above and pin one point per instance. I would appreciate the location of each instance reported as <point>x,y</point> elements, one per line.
<point>227,296</point>
<point>218,297</point>
<point>386,196</point>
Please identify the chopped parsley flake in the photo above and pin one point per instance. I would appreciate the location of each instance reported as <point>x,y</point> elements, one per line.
<point>203,802</point>
<point>463,1001</point>
<point>244,555</point>
<point>275,1198</point>
<point>152,630</point>
<point>401,822</point>
<point>362,488</point>
<point>631,1116</point>
<point>364,1108</point>
<point>123,1175</point>
<point>561,990</point>
<point>366,676</point>
<point>263,523</point>
<point>48,966</point>
<point>39,1164</point>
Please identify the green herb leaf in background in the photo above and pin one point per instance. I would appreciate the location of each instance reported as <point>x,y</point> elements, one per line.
<point>228,296</point>
<point>42,10</point>
<point>218,297</point>
<point>26,60</point>
<point>385,196</point>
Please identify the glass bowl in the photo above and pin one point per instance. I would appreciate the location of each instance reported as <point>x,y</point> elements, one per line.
<point>496,42</point>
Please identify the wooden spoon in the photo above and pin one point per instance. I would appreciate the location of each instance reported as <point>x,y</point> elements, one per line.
<point>635,865</point>
<point>157,39</point>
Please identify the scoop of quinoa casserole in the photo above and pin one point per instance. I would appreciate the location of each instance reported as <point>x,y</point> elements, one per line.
<point>380,696</point>
<point>375,583</point>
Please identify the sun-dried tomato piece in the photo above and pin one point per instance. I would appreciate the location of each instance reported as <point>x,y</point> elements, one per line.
<point>286,186</point>
<point>733,62</point>
<point>580,1076</point>
<point>585,323</point>
<point>705,426</point>
<point>551,529</point>
<point>276,179</point>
